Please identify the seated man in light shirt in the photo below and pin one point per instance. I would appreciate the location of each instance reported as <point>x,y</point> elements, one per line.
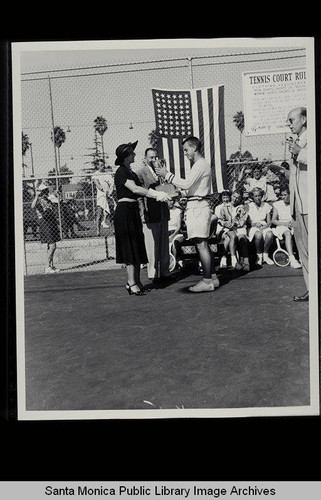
<point>198,213</point>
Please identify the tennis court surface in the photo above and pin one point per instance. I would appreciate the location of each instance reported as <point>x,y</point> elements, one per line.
<point>91,346</point>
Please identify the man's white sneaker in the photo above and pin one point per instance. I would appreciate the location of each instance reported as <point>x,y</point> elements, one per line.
<point>201,286</point>
<point>267,260</point>
<point>294,263</point>
<point>259,259</point>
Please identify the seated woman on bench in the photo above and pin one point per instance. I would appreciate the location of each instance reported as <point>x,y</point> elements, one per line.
<point>281,218</point>
<point>260,226</point>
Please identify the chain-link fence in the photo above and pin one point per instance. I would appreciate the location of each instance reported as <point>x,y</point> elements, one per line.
<point>72,118</point>
<point>73,214</point>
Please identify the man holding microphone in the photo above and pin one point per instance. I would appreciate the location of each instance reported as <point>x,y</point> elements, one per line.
<point>297,121</point>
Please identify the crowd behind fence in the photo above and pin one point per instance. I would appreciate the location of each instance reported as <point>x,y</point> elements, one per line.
<point>76,211</point>
<point>76,201</point>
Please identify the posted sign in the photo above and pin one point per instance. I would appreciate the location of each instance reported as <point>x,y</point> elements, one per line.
<point>269,96</point>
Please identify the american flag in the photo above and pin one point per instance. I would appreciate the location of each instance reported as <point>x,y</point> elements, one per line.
<point>197,112</point>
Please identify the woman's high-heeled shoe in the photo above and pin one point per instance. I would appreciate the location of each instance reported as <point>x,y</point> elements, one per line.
<point>130,291</point>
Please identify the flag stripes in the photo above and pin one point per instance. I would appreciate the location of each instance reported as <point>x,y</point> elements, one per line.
<point>171,150</point>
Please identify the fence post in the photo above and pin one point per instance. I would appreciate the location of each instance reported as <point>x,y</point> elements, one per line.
<point>93,198</point>
<point>25,256</point>
<point>190,66</point>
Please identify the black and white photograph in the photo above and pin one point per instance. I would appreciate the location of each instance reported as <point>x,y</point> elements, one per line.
<point>166,228</point>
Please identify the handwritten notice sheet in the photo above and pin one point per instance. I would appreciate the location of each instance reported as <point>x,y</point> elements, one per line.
<point>269,96</point>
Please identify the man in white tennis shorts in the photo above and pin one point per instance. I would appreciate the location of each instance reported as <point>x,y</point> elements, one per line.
<point>198,212</point>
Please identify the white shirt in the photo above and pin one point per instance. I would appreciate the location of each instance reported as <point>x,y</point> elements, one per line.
<point>152,172</point>
<point>253,183</point>
<point>258,214</point>
<point>217,210</point>
<point>284,211</point>
<point>107,183</point>
<point>302,142</point>
<point>198,181</point>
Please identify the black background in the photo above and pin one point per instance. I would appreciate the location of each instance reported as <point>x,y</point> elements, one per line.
<point>234,449</point>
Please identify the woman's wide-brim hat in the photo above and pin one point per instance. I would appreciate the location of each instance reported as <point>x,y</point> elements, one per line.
<point>121,150</point>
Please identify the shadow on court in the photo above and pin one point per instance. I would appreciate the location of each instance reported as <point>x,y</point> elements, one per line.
<point>91,346</point>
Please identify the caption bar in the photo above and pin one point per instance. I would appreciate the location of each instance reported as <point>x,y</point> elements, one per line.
<point>161,490</point>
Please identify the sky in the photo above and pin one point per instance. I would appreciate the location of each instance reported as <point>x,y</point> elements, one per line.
<point>124,97</point>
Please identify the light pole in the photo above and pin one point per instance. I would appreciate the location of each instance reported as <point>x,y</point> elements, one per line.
<point>32,167</point>
<point>55,152</point>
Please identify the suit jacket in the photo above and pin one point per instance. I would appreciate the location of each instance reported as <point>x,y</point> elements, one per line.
<point>155,211</point>
<point>298,182</point>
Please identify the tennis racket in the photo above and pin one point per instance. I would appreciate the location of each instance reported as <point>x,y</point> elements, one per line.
<point>280,257</point>
<point>172,261</point>
<point>172,252</point>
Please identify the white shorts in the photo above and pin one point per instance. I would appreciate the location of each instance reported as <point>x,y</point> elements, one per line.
<point>253,230</point>
<point>279,231</point>
<point>198,219</point>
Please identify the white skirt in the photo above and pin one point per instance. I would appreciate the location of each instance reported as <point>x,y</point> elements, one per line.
<point>279,231</point>
<point>253,230</point>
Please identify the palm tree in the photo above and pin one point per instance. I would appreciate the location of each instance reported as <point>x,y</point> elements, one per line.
<point>96,156</point>
<point>236,171</point>
<point>25,147</point>
<point>100,126</point>
<point>153,138</point>
<point>59,139</point>
<point>238,120</point>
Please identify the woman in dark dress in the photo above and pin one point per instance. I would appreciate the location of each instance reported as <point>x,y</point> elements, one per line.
<point>48,224</point>
<point>129,237</point>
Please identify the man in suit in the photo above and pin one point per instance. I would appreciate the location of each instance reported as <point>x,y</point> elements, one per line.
<point>155,223</point>
<point>297,121</point>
